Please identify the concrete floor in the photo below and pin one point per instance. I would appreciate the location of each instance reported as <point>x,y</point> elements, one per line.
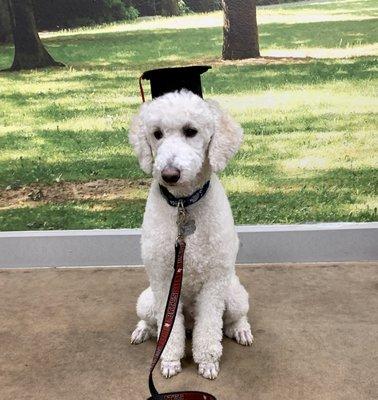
<point>64,335</point>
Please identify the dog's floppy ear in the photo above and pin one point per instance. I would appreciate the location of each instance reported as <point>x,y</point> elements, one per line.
<point>138,139</point>
<point>226,139</point>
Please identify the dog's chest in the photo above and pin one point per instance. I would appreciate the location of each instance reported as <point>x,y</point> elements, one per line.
<point>209,250</point>
<point>199,252</point>
<point>205,259</point>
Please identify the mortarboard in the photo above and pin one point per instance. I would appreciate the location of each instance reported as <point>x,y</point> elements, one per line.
<point>165,80</point>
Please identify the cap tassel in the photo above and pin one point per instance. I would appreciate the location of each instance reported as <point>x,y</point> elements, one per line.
<point>141,88</point>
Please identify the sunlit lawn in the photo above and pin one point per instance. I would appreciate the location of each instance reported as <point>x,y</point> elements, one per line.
<point>310,149</point>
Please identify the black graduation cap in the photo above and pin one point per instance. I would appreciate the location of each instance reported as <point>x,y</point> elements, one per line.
<point>165,80</point>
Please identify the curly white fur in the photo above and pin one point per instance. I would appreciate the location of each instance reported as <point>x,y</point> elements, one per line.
<point>212,298</point>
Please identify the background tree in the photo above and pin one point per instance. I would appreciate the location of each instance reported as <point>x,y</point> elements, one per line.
<point>202,5</point>
<point>29,50</point>
<point>5,25</point>
<point>170,8</point>
<point>240,33</point>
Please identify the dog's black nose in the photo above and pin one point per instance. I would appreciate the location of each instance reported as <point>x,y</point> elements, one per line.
<point>170,174</point>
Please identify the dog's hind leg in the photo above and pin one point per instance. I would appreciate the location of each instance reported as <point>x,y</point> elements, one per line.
<point>236,325</point>
<point>147,326</point>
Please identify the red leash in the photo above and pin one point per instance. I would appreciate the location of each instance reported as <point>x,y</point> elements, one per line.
<point>168,321</point>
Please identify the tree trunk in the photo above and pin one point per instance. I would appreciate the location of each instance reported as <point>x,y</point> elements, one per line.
<point>240,33</point>
<point>29,50</point>
<point>5,22</point>
<point>169,8</point>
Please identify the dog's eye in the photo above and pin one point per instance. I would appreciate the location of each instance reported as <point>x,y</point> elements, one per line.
<point>158,134</point>
<point>189,131</point>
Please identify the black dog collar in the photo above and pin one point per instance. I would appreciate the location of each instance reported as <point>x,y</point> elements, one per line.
<point>186,201</point>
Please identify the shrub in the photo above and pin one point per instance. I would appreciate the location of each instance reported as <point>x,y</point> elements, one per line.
<point>118,10</point>
<point>203,5</point>
<point>131,13</point>
<point>56,14</point>
<point>183,8</point>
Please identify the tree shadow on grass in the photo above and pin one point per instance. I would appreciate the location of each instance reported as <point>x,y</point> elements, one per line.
<point>227,79</point>
<point>55,112</point>
<point>127,86</point>
<point>75,215</point>
<point>303,206</point>
<point>82,168</point>
<point>326,34</point>
<point>362,180</point>
<point>326,196</point>
<point>61,140</point>
<point>322,122</point>
<point>254,78</point>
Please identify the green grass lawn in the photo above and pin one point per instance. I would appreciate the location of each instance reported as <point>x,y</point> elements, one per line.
<point>310,148</point>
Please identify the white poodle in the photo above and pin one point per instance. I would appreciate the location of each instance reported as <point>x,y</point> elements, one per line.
<point>184,140</point>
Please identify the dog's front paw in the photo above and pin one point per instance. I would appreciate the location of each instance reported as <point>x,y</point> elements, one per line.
<point>241,332</point>
<point>141,333</point>
<point>244,337</point>
<point>170,368</point>
<point>209,370</point>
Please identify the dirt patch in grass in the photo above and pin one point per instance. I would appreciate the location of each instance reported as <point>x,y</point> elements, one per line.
<point>60,192</point>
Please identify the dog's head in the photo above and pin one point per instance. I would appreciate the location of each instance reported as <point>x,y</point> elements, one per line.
<point>177,134</point>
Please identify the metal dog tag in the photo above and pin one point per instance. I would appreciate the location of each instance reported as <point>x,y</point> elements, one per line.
<point>186,226</point>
